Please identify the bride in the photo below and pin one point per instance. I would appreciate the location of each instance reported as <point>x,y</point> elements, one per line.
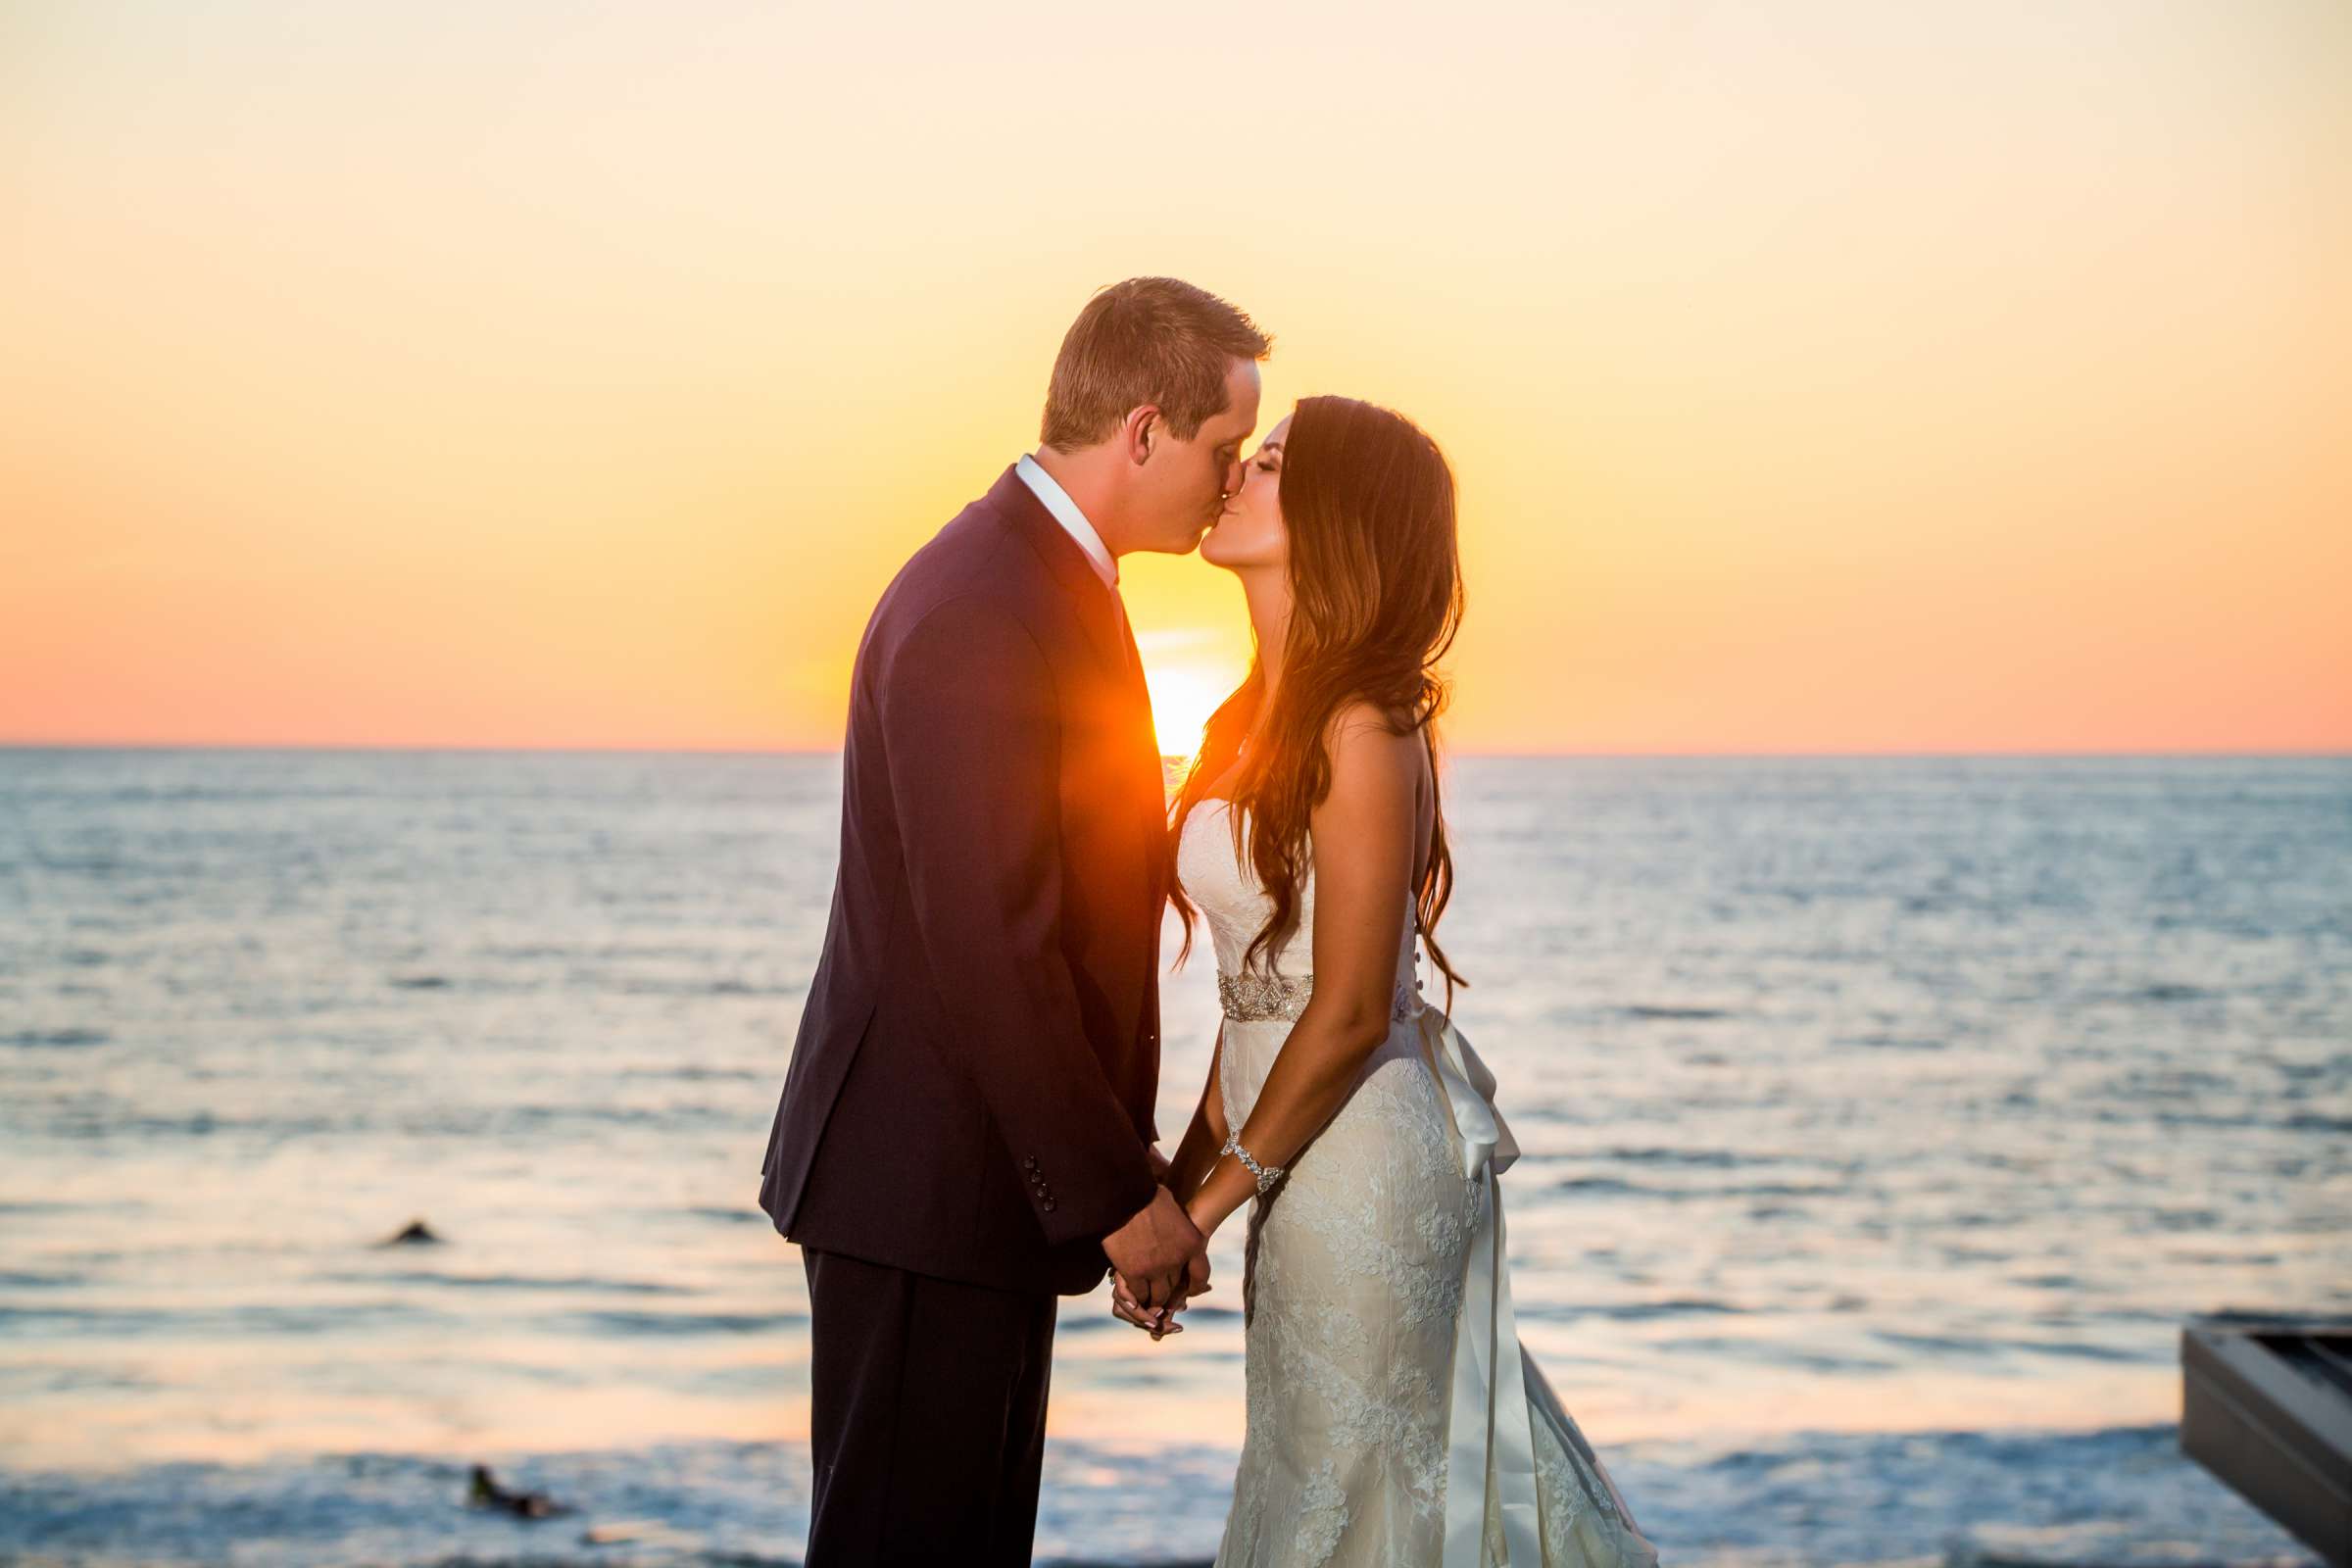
<point>1392,1416</point>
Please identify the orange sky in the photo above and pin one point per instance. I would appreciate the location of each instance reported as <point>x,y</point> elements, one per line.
<point>1821,378</point>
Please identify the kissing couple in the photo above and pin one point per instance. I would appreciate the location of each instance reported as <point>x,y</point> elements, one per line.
<point>965,1131</point>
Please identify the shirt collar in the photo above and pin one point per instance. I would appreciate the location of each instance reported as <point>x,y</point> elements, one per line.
<point>1073,522</point>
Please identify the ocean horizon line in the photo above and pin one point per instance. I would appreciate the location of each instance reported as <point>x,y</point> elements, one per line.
<point>1500,753</point>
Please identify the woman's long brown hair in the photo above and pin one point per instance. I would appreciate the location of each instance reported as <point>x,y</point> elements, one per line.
<point>1376,597</point>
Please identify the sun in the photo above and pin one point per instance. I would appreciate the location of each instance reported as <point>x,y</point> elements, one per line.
<point>1185,691</point>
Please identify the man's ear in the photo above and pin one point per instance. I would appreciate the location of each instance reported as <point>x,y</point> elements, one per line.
<point>1141,431</point>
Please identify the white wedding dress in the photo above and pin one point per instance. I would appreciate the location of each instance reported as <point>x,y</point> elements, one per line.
<point>1392,1417</point>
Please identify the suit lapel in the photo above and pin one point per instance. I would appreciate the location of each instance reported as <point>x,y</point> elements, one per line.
<point>1088,595</point>
<point>1152,792</point>
<point>1112,641</point>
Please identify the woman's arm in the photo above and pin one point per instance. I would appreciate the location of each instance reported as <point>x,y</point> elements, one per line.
<point>1364,842</point>
<point>1205,1135</point>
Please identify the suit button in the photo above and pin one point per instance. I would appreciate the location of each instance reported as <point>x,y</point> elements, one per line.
<point>1031,1163</point>
<point>1048,1205</point>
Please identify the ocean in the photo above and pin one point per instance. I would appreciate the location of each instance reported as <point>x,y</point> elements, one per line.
<point>1884,1121</point>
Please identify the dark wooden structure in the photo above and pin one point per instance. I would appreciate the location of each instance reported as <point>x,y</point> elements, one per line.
<point>2266,1404</point>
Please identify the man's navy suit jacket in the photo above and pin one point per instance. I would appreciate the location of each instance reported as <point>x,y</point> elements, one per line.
<point>970,1094</point>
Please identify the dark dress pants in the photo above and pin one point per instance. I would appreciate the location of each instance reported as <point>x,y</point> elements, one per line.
<point>927,1417</point>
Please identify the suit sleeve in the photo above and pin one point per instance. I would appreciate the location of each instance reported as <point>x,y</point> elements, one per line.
<point>972,734</point>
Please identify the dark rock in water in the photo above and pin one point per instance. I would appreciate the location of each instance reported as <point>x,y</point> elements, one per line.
<point>415,1231</point>
<point>486,1493</point>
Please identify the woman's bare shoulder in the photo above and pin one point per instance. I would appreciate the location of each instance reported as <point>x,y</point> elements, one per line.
<point>1361,716</point>
<point>1373,748</point>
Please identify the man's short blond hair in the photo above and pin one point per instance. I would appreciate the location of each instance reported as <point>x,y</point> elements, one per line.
<point>1156,340</point>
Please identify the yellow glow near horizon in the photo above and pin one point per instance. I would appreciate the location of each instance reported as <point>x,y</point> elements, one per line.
<point>1826,376</point>
<point>1189,676</point>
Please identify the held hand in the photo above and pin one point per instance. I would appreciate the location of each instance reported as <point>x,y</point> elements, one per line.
<point>1123,1307</point>
<point>1160,1168</point>
<point>1154,1251</point>
<point>1162,1320</point>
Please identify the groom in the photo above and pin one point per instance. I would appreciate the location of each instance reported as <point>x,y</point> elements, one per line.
<point>966,1127</point>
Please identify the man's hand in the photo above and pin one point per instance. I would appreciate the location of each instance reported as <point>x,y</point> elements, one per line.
<point>1159,1254</point>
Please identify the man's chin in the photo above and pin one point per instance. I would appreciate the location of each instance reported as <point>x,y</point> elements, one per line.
<point>1182,544</point>
<point>1185,544</point>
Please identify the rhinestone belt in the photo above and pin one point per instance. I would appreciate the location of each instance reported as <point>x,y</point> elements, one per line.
<point>1254,995</point>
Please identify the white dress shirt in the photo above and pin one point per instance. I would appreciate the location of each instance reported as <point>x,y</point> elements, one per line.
<point>1073,522</point>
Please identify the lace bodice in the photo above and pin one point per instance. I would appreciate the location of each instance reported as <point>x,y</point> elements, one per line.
<point>1235,903</point>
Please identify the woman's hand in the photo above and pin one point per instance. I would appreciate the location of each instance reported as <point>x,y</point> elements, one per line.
<point>1123,1306</point>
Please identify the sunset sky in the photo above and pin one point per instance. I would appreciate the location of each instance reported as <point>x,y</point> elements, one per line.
<point>1820,376</point>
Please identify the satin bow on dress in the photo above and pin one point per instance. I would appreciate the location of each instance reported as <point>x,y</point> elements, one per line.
<point>1492,1431</point>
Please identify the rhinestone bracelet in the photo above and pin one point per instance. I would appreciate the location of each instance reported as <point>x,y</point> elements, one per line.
<point>1267,1175</point>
